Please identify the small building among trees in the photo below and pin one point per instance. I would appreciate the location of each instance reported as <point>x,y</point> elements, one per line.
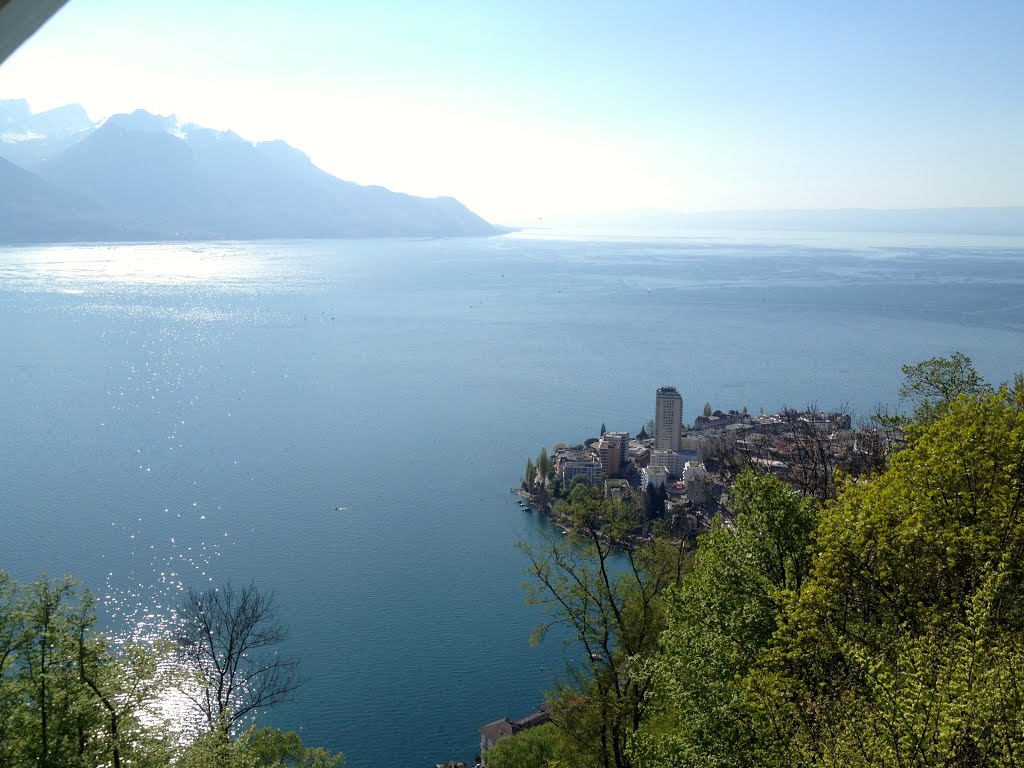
<point>491,732</point>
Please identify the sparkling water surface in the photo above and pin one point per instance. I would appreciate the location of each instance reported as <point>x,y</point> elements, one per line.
<point>179,415</point>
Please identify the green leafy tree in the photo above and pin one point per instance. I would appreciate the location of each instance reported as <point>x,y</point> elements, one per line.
<point>543,463</point>
<point>720,619</point>
<point>124,686</point>
<point>66,697</point>
<point>538,747</point>
<point>10,642</point>
<point>55,722</point>
<point>529,475</point>
<point>603,429</point>
<point>907,646</point>
<point>708,410</point>
<point>70,698</point>
<point>904,646</point>
<point>610,598</point>
<point>215,750</point>
<point>932,385</point>
<point>653,501</point>
<point>284,749</point>
<point>889,634</point>
<point>579,481</point>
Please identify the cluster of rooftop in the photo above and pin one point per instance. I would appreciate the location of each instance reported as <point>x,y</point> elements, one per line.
<point>670,460</point>
<point>691,468</point>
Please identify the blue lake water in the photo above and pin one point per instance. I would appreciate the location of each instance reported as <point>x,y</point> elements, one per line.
<point>182,414</point>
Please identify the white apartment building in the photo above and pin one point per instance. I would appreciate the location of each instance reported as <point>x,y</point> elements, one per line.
<point>673,461</point>
<point>656,476</point>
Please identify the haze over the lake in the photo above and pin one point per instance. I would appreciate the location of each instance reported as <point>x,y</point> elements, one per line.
<point>531,112</point>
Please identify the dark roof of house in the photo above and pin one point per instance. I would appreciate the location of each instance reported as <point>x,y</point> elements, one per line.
<point>497,729</point>
<point>506,727</point>
<point>537,718</point>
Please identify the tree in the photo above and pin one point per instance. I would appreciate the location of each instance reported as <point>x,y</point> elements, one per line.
<point>543,464</point>
<point>653,500</point>
<point>530,475</point>
<point>708,410</point>
<point>536,747</point>
<point>578,481</point>
<point>256,748</point>
<point>229,640</point>
<point>10,642</point>
<point>933,384</point>
<point>609,596</point>
<point>813,453</point>
<point>66,697</point>
<point>720,618</point>
<point>913,622</point>
<point>272,747</point>
<point>124,686</point>
<point>603,429</point>
<point>54,710</point>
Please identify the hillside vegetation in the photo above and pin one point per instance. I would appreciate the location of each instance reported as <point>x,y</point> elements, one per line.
<point>882,628</point>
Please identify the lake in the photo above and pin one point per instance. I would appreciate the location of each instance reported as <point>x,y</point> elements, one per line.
<point>186,413</point>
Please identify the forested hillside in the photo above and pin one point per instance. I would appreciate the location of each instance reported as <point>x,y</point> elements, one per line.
<point>883,627</point>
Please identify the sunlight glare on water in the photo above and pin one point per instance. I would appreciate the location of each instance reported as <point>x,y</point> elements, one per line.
<point>82,268</point>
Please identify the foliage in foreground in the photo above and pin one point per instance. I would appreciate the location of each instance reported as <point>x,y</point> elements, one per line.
<point>537,747</point>
<point>720,620</point>
<point>66,697</point>
<point>610,597</point>
<point>883,628</point>
<point>69,698</point>
<point>257,748</point>
<point>902,644</point>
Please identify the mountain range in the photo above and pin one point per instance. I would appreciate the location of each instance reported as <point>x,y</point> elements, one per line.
<point>141,176</point>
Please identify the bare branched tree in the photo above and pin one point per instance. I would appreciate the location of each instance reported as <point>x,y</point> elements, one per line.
<point>229,639</point>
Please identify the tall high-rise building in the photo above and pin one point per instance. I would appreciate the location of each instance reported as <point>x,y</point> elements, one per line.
<point>668,419</point>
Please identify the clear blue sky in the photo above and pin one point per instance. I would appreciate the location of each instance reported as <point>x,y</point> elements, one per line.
<point>538,109</point>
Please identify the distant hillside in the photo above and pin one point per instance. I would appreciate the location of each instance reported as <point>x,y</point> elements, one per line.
<point>39,212</point>
<point>1006,220</point>
<point>156,179</point>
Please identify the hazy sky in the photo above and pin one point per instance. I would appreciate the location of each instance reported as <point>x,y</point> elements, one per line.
<point>526,109</point>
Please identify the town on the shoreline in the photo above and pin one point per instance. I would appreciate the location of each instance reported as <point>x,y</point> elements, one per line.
<point>680,475</point>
